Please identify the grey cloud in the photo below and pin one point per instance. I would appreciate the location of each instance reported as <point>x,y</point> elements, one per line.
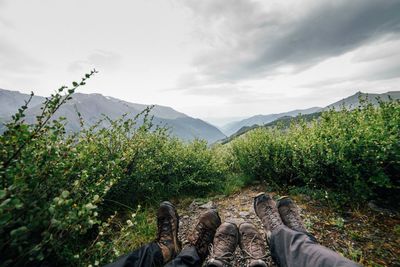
<point>249,41</point>
<point>260,97</point>
<point>99,59</point>
<point>4,22</point>
<point>386,74</point>
<point>219,90</point>
<point>377,70</point>
<point>386,50</point>
<point>15,61</point>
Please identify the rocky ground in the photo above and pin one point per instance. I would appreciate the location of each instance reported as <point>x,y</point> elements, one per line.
<point>369,236</point>
<point>236,208</point>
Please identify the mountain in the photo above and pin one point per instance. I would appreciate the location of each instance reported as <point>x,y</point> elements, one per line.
<point>353,101</point>
<point>350,102</point>
<point>233,127</point>
<point>10,101</point>
<point>93,106</point>
<point>284,122</point>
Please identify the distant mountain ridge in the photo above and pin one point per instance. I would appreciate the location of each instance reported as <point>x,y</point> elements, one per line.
<point>350,102</point>
<point>92,106</point>
<point>233,127</point>
<point>353,101</point>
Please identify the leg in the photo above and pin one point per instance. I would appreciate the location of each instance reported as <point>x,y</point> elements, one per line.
<point>292,247</point>
<point>147,255</point>
<point>188,257</point>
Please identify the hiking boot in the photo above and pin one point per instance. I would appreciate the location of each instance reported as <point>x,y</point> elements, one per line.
<point>224,245</point>
<point>290,214</point>
<point>253,245</point>
<point>265,208</point>
<point>167,231</point>
<point>203,234</point>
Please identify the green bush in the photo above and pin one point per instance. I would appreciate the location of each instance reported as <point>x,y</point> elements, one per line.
<point>162,168</point>
<point>356,152</point>
<point>60,192</point>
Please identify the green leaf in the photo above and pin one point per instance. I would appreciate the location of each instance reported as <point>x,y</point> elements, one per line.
<point>4,218</point>
<point>17,203</point>
<point>75,84</point>
<point>3,194</point>
<point>19,232</point>
<point>65,194</point>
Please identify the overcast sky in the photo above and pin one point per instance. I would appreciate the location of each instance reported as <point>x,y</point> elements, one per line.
<point>211,59</point>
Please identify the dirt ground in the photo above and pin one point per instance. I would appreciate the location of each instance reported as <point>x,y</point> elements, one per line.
<point>368,237</point>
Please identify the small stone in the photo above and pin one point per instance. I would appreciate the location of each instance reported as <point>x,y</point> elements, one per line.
<point>193,205</point>
<point>208,205</point>
<point>244,214</point>
<point>236,221</point>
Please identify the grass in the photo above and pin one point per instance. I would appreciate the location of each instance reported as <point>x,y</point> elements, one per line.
<point>362,235</point>
<point>234,183</point>
<point>140,229</point>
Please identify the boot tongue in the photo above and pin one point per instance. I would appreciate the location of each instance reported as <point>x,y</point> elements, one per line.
<point>258,263</point>
<point>215,262</point>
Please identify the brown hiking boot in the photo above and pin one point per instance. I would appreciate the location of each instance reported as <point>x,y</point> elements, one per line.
<point>290,214</point>
<point>224,245</point>
<point>253,245</point>
<point>265,208</point>
<point>167,231</point>
<point>203,234</point>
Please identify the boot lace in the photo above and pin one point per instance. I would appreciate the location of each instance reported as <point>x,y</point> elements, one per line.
<point>294,219</point>
<point>272,218</point>
<point>203,238</point>
<point>226,257</point>
<point>255,248</point>
<point>164,230</point>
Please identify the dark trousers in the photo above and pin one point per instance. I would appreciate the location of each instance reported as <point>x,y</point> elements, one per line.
<point>288,248</point>
<point>291,248</point>
<point>150,255</point>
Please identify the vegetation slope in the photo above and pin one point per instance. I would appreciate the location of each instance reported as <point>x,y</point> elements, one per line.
<point>78,199</point>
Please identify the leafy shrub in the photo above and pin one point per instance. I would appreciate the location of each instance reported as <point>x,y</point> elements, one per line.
<point>356,152</point>
<point>162,167</point>
<point>60,192</point>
